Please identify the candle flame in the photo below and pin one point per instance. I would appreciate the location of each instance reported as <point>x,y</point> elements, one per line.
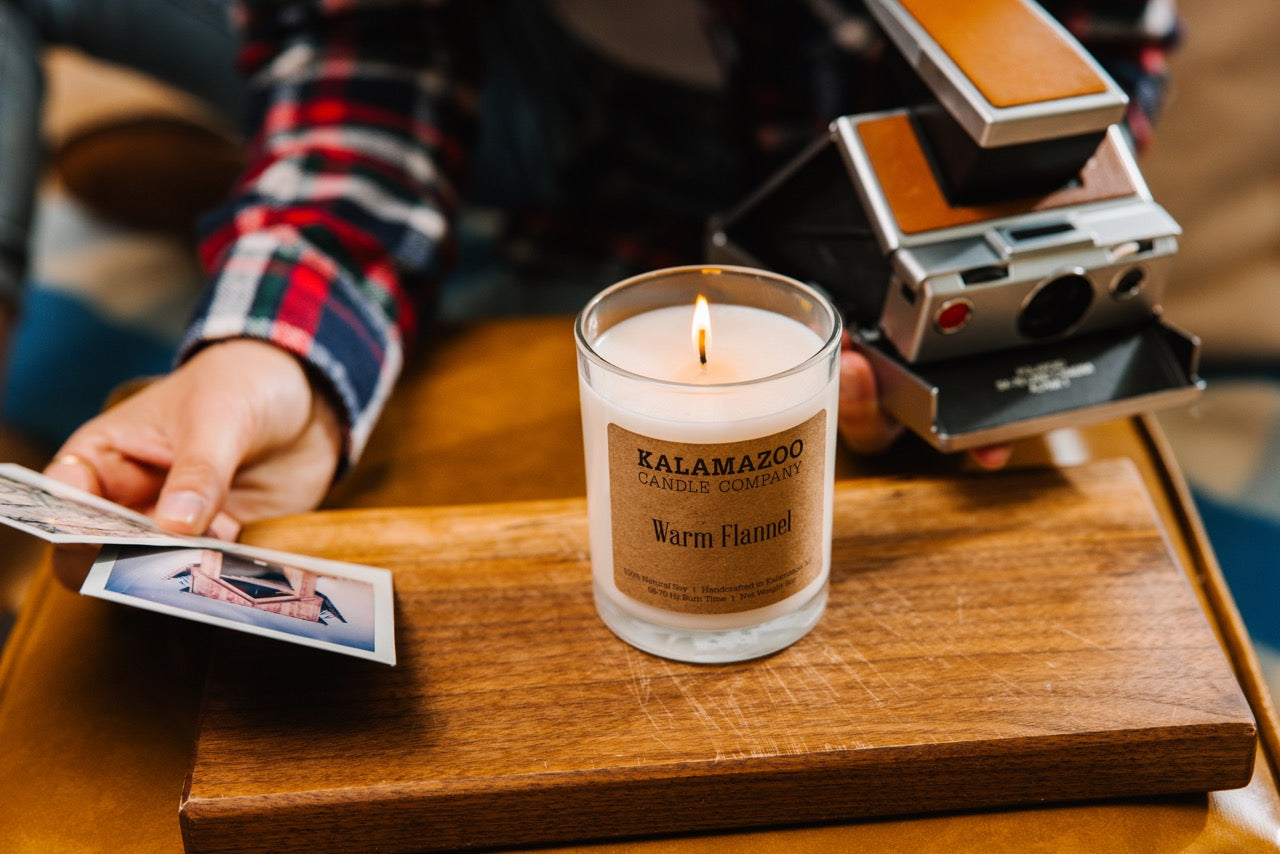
<point>701,328</point>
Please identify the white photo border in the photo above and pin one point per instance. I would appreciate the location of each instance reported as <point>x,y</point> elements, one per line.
<point>383,619</point>
<point>106,511</point>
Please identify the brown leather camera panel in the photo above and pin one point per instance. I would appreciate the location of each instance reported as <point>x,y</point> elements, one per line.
<point>918,203</point>
<point>1011,54</point>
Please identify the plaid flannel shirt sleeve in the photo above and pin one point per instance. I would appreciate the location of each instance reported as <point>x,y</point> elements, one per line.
<point>1132,40</point>
<point>362,113</point>
<point>337,233</point>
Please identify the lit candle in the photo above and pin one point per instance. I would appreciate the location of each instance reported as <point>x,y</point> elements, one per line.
<point>701,328</point>
<point>752,343</point>
<point>709,463</point>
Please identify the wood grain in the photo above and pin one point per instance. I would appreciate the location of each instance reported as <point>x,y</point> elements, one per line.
<point>1007,639</point>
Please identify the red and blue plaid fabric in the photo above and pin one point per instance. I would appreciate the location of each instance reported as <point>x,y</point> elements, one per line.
<point>363,120</point>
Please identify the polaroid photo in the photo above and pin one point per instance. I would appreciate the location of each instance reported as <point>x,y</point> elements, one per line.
<point>59,513</point>
<point>340,607</point>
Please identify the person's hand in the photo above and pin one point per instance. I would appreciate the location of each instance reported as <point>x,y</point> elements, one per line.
<point>867,429</point>
<point>236,434</point>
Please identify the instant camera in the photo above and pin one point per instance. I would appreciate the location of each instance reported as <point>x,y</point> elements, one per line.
<point>993,247</point>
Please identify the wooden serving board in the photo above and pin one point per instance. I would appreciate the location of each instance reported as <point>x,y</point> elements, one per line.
<point>990,640</point>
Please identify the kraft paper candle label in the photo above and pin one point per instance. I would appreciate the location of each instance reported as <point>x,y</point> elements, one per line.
<point>717,528</point>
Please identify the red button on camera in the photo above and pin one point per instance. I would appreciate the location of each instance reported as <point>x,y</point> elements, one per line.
<point>952,316</point>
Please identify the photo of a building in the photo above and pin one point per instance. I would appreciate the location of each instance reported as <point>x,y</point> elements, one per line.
<point>341,607</point>
<point>276,588</point>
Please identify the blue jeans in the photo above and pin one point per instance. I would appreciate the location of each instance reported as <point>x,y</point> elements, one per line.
<point>189,44</point>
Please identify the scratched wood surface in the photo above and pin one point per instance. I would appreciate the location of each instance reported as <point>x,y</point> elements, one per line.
<point>1011,638</point>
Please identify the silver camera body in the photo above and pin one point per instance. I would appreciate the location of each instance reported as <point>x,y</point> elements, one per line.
<point>1027,277</point>
<point>1001,265</point>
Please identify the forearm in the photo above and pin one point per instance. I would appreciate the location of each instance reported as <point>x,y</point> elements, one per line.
<point>340,229</point>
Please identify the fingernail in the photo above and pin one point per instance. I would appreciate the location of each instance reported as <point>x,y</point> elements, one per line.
<point>185,508</point>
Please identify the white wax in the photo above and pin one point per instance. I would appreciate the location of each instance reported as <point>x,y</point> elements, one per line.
<point>715,404</point>
<point>747,344</point>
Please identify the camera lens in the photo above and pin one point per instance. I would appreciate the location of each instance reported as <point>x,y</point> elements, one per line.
<point>1128,283</point>
<point>1055,306</point>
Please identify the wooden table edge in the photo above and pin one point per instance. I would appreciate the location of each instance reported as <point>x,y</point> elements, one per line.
<point>1174,506</point>
<point>1205,573</point>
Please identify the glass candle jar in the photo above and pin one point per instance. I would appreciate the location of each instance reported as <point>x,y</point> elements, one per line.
<point>710,435</point>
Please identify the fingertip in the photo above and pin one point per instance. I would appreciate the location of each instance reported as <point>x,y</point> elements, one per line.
<point>225,527</point>
<point>184,511</point>
<point>857,382</point>
<point>196,485</point>
<point>992,457</point>
<point>864,426</point>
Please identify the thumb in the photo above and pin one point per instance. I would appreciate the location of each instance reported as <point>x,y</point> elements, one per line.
<point>191,495</point>
<point>863,425</point>
<point>199,478</point>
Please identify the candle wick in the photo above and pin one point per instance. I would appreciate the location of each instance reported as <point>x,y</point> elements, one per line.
<point>702,346</point>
